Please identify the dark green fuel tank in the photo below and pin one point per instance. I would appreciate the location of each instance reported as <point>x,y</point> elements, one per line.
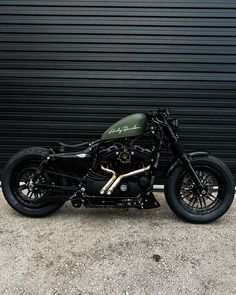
<point>133,125</point>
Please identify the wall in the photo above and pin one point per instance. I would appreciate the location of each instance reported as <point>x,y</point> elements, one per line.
<point>68,69</point>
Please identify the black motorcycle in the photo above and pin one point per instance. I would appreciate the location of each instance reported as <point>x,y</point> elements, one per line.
<point>119,171</point>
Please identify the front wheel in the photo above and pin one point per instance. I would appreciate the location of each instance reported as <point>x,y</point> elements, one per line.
<point>184,198</point>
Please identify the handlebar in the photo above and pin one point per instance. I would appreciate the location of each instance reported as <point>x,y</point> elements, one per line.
<point>162,113</point>
<point>165,112</point>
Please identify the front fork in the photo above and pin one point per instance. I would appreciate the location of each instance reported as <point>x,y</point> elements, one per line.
<point>185,160</point>
<point>180,153</point>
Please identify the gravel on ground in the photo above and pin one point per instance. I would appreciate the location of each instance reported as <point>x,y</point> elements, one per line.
<point>109,251</point>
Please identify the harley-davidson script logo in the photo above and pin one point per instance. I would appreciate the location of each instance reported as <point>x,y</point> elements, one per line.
<point>123,129</point>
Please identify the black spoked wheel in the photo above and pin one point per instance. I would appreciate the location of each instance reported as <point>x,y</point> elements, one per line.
<point>26,190</point>
<point>206,205</point>
<point>25,193</point>
<point>206,200</point>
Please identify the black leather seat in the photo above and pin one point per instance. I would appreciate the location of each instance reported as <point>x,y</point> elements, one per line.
<point>63,147</point>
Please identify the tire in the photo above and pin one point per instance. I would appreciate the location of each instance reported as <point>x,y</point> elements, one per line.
<point>22,159</point>
<point>178,195</point>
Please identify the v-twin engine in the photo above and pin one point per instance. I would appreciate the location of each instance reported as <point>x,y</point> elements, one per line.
<point>123,172</point>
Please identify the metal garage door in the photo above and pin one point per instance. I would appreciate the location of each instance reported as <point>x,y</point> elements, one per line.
<point>70,68</point>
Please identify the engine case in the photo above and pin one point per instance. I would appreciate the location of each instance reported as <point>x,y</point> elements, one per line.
<point>126,188</point>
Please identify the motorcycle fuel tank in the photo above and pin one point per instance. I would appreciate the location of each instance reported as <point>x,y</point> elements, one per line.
<point>133,125</point>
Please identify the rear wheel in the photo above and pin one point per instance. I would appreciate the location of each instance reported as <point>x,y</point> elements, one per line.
<point>19,189</point>
<point>211,203</point>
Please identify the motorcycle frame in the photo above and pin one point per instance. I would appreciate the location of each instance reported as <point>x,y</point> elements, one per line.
<point>160,129</point>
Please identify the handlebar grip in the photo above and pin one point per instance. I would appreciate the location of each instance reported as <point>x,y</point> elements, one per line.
<point>164,112</point>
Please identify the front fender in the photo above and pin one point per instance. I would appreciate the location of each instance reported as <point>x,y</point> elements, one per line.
<point>177,162</point>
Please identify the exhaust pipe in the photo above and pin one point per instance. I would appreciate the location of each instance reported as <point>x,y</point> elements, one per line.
<point>110,181</point>
<point>118,180</point>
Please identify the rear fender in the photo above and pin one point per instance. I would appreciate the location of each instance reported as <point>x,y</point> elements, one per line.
<point>177,162</point>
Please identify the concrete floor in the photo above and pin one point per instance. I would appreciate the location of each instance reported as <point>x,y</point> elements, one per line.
<point>106,251</point>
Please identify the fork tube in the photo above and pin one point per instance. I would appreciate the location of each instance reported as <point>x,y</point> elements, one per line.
<point>179,151</point>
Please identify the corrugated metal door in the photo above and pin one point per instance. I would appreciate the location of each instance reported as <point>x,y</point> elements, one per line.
<point>70,68</point>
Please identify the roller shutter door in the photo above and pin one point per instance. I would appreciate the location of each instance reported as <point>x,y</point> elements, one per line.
<point>68,69</point>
